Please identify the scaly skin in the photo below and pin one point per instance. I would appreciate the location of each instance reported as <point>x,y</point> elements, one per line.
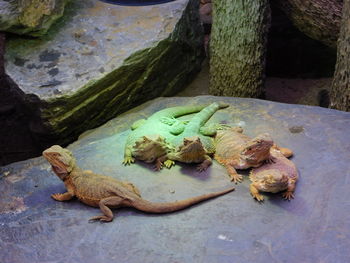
<point>192,146</point>
<point>148,138</point>
<point>106,192</point>
<point>281,175</point>
<point>236,150</point>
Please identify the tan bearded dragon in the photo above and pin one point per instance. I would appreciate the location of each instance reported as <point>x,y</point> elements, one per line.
<point>236,150</point>
<point>281,175</point>
<point>106,192</point>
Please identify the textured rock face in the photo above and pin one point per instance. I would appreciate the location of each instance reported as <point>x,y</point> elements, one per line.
<point>29,17</point>
<point>101,60</point>
<point>231,228</point>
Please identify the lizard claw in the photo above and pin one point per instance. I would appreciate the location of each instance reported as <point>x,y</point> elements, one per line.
<point>201,168</point>
<point>128,160</point>
<point>57,197</point>
<point>258,197</point>
<point>158,166</point>
<point>236,178</point>
<point>288,195</point>
<point>169,163</point>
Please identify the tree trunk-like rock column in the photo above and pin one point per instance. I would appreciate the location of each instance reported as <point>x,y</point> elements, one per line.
<point>238,47</point>
<point>340,92</point>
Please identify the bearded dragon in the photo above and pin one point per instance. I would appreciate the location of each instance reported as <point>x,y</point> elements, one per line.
<point>194,144</point>
<point>281,175</point>
<point>106,192</point>
<point>149,138</point>
<point>236,150</point>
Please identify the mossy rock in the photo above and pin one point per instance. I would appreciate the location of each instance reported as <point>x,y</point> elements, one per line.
<point>100,60</point>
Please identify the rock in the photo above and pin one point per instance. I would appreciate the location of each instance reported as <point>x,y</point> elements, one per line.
<point>102,60</point>
<point>316,224</point>
<point>29,17</point>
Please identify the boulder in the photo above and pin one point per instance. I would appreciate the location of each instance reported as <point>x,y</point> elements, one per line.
<point>230,228</point>
<point>101,60</point>
<point>29,17</point>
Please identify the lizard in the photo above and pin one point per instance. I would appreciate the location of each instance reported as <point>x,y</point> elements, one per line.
<point>281,175</point>
<point>236,150</point>
<point>194,144</point>
<point>107,192</point>
<point>148,138</point>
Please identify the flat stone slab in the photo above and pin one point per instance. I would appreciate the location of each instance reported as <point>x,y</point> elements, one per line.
<point>314,227</point>
<point>94,39</point>
<point>101,60</point>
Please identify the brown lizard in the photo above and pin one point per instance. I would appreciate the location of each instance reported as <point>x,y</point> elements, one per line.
<point>274,177</point>
<point>236,150</point>
<point>106,192</point>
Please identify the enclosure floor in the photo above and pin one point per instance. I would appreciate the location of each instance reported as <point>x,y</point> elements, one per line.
<point>286,90</point>
<point>234,228</point>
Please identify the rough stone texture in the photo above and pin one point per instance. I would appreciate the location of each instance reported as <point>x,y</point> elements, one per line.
<point>319,19</point>
<point>238,48</point>
<point>30,17</point>
<point>102,59</point>
<point>314,227</point>
<point>340,91</point>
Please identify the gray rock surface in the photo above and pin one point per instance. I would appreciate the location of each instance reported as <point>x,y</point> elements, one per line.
<point>29,17</point>
<point>314,227</point>
<point>101,60</point>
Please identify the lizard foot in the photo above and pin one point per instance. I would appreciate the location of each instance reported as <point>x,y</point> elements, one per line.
<point>288,195</point>
<point>62,197</point>
<point>258,197</point>
<point>169,163</point>
<point>101,218</point>
<point>57,197</point>
<point>201,168</point>
<point>236,178</point>
<point>158,166</point>
<point>128,160</point>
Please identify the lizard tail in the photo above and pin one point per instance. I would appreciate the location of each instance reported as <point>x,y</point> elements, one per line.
<point>157,208</point>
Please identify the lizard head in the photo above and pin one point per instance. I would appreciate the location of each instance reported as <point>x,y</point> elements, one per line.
<point>149,148</point>
<point>272,180</point>
<point>191,148</point>
<point>258,149</point>
<point>61,160</point>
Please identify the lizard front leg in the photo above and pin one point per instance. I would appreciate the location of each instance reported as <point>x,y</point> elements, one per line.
<point>159,162</point>
<point>235,177</point>
<point>128,159</point>
<point>255,193</point>
<point>170,159</point>
<point>204,165</point>
<point>289,194</point>
<point>62,197</point>
<point>113,201</point>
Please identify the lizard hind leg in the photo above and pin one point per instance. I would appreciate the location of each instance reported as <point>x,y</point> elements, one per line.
<point>104,204</point>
